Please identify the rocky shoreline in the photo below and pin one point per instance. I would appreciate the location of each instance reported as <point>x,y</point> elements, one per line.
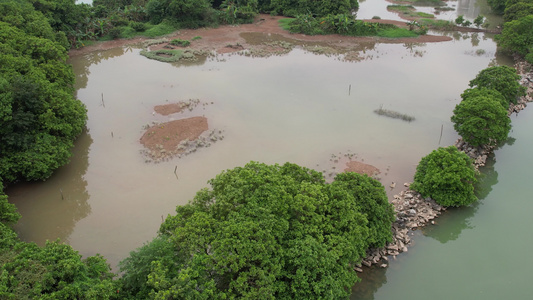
<point>414,211</point>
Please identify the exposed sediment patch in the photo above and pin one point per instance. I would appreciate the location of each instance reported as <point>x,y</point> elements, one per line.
<point>172,108</point>
<point>361,168</point>
<point>162,139</point>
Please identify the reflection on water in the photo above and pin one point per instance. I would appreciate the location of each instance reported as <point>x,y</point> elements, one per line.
<point>81,66</point>
<point>51,210</point>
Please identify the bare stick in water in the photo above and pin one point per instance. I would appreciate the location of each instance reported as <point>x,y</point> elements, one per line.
<point>103,103</point>
<point>349,90</point>
<point>112,134</point>
<point>61,191</point>
<point>441,127</point>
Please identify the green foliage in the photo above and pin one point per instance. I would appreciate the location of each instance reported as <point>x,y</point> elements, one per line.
<point>54,271</point>
<point>479,20</point>
<point>397,33</point>
<point>264,232</point>
<point>497,6</point>
<point>8,212</point>
<point>344,25</point>
<point>485,92</point>
<point>481,120</point>
<point>239,11</point>
<point>400,8</point>
<point>447,176</point>
<point>517,37</point>
<point>320,8</point>
<point>180,42</point>
<point>517,11</point>
<point>437,24</point>
<point>189,13</point>
<point>460,20</point>
<point>138,26</point>
<point>39,117</point>
<point>137,266</point>
<point>160,29</point>
<point>115,33</point>
<point>502,79</point>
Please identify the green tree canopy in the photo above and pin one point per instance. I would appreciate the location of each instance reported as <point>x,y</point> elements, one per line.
<point>54,271</point>
<point>318,8</point>
<point>39,117</point>
<point>517,11</point>
<point>502,79</point>
<point>481,120</point>
<point>484,92</point>
<point>447,176</point>
<point>265,232</point>
<point>517,37</point>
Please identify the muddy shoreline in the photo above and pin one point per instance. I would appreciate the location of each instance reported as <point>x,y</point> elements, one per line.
<point>218,39</point>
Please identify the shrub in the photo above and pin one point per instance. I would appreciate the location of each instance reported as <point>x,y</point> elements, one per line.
<point>180,42</point>
<point>502,79</point>
<point>138,26</point>
<point>114,33</point>
<point>447,176</point>
<point>481,120</point>
<point>460,20</point>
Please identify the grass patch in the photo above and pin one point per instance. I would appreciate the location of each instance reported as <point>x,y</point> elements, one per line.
<point>285,23</point>
<point>427,2</point>
<point>401,8</point>
<point>396,33</point>
<point>196,38</point>
<point>437,24</point>
<point>164,55</point>
<point>161,29</point>
<point>394,114</point>
<point>180,42</point>
<point>424,15</point>
<point>409,11</point>
<point>444,8</point>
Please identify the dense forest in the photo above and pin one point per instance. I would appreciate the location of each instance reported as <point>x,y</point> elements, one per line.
<point>273,231</point>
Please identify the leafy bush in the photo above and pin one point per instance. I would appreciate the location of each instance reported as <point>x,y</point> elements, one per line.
<point>114,33</point>
<point>447,176</point>
<point>138,26</point>
<point>502,79</point>
<point>460,20</point>
<point>265,232</point>
<point>479,20</point>
<point>320,8</point>
<point>437,24</point>
<point>180,42</point>
<point>481,120</point>
<point>342,24</point>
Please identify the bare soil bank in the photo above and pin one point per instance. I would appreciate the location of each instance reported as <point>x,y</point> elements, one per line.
<point>224,38</point>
